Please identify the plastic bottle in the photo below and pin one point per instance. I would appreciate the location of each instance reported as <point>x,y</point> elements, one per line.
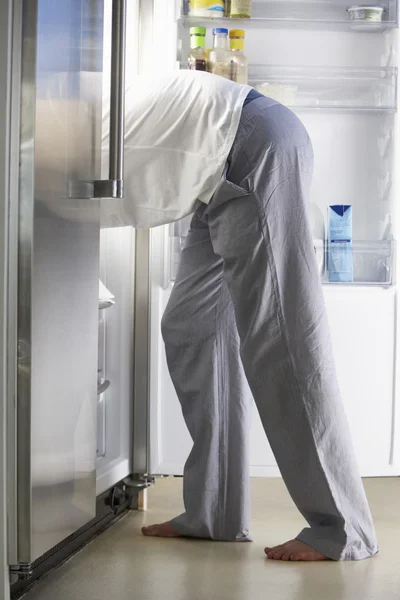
<point>206,8</point>
<point>220,56</point>
<point>197,59</point>
<point>240,9</point>
<point>239,62</point>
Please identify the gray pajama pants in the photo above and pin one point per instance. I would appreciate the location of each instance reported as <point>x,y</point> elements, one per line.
<point>247,309</point>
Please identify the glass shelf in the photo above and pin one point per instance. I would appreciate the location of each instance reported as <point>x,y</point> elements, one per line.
<point>369,89</point>
<point>327,88</point>
<point>307,13</point>
<point>372,262</point>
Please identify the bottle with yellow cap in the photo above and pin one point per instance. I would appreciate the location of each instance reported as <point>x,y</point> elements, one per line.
<point>239,62</point>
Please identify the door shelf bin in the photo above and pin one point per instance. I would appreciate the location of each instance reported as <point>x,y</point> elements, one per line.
<point>296,12</point>
<point>332,88</point>
<point>373,262</point>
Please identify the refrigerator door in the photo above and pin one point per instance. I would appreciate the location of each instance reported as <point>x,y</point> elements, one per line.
<point>157,52</point>
<point>142,331</point>
<point>60,145</point>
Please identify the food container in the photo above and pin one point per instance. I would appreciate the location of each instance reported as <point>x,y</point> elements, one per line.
<point>366,16</point>
<point>285,94</point>
<point>207,8</point>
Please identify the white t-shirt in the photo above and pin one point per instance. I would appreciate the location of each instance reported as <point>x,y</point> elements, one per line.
<point>179,131</point>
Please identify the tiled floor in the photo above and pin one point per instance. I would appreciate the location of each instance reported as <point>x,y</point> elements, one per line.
<point>122,563</point>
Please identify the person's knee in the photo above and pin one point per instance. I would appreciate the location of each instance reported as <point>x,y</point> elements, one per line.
<point>174,326</point>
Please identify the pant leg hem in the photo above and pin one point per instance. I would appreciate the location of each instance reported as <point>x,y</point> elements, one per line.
<point>200,532</point>
<point>335,551</point>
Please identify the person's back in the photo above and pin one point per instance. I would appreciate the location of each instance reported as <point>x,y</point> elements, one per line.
<point>179,131</point>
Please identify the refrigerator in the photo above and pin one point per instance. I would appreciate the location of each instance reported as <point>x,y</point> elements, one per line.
<point>341,78</point>
<point>57,189</point>
<point>89,399</point>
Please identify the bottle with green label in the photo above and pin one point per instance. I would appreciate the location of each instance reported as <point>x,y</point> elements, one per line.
<point>239,62</point>
<point>240,9</point>
<point>197,59</point>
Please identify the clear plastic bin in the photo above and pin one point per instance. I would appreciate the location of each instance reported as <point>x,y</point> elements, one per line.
<point>373,262</point>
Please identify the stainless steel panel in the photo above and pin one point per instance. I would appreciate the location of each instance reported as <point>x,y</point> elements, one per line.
<point>12,308</point>
<point>58,266</point>
<point>6,36</point>
<point>25,255</point>
<point>141,405</point>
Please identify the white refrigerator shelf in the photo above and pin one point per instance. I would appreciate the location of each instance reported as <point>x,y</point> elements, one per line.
<point>327,88</point>
<point>297,14</point>
<point>332,88</point>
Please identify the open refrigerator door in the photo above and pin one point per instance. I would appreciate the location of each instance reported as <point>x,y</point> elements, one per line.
<point>337,70</point>
<point>116,300</point>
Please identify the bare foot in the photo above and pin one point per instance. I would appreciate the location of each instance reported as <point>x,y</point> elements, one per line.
<point>294,550</point>
<point>160,530</point>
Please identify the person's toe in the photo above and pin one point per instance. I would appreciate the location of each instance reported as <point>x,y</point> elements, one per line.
<point>296,556</point>
<point>160,530</point>
<point>149,530</point>
<point>276,552</point>
<point>280,552</point>
<point>269,550</point>
<point>294,550</point>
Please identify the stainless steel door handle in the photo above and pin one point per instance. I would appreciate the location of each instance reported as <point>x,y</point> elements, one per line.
<point>114,186</point>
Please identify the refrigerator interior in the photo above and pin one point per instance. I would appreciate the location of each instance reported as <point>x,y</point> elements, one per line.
<point>345,81</point>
